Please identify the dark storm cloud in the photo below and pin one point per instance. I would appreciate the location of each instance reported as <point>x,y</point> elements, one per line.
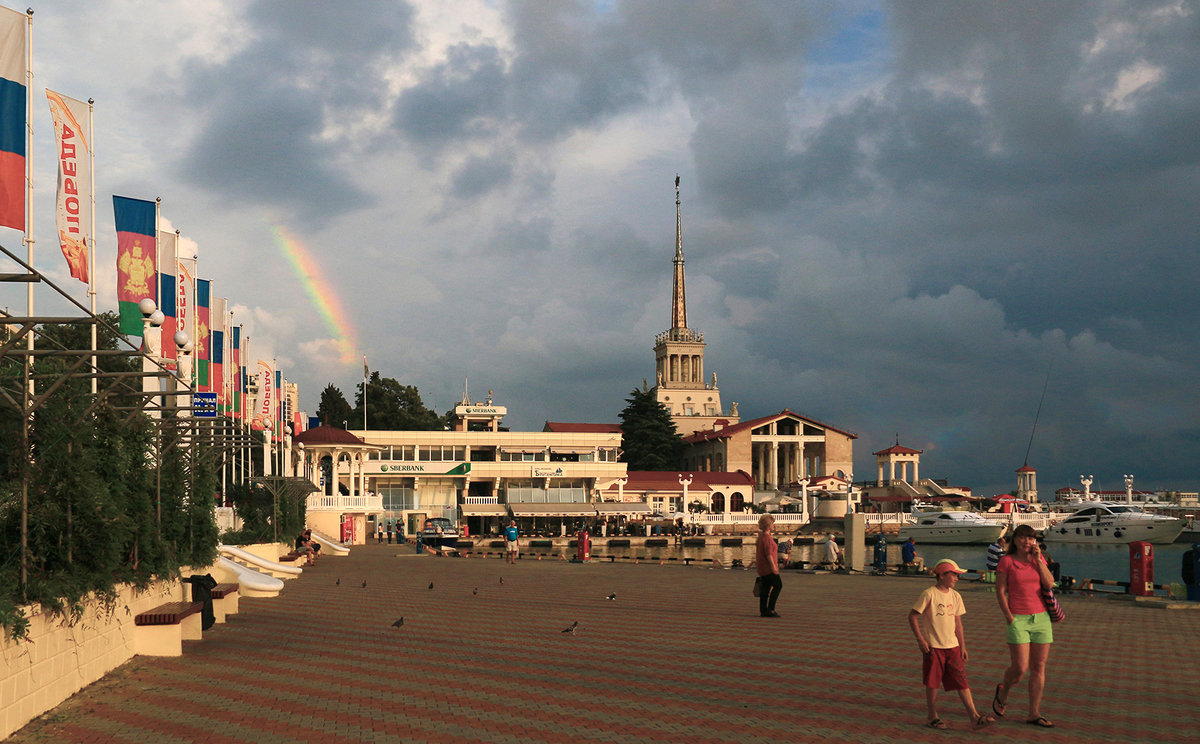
<point>264,112</point>
<point>479,175</point>
<point>463,97</point>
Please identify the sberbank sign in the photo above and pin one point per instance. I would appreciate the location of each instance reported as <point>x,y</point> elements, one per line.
<point>480,410</point>
<point>428,468</point>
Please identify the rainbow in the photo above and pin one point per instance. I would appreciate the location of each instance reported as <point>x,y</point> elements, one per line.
<point>327,303</point>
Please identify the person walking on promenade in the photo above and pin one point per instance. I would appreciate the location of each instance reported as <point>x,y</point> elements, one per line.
<point>511,542</point>
<point>379,532</point>
<point>833,554</point>
<point>766,560</point>
<point>389,532</point>
<point>1020,576</point>
<point>995,552</point>
<point>936,621</point>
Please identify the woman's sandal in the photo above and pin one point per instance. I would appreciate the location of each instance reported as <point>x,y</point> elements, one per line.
<point>937,723</point>
<point>998,705</point>
<point>984,720</point>
<point>1040,721</point>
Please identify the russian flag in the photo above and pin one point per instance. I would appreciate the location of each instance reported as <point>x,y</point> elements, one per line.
<point>14,70</point>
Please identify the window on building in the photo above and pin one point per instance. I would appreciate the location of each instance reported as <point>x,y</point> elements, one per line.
<point>483,454</point>
<point>568,490</point>
<point>527,490</point>
<point>539,456</point>
<point>403,452</point>
<point>398,496</point>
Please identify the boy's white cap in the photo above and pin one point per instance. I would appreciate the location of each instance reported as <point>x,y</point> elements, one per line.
<point>946,564</point>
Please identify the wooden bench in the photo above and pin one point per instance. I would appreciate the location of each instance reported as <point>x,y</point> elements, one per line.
<point>162,630</point>
<point>225,600</point>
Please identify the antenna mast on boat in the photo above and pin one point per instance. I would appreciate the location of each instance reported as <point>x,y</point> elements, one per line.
<point>1036,416</point>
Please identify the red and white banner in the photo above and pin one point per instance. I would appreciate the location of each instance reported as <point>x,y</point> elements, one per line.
<point>264,411</point>
<point>185,298</point>
<point>73,211</point>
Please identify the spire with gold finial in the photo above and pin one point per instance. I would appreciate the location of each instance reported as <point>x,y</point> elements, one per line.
<point>678,299</point>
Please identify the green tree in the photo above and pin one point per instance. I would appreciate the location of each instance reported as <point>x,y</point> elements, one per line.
<point>649,439</point>
<point>394,407</point>
<point>333,409</point>
<point>95,486</point>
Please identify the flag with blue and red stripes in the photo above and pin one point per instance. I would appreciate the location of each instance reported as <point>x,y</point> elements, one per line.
<point>14,104</point>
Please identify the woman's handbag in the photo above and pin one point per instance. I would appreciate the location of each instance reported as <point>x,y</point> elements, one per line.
<point>758,587</point>
<point>1053,608</point>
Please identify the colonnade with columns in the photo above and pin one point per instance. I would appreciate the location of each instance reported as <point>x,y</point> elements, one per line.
<point>780,462</point>
<point>681,368</point>
<point>908,463</point>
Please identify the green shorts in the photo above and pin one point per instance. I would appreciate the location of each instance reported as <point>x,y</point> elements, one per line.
<point>1030,629</point>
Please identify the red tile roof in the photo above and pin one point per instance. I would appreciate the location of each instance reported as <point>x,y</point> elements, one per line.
<point>711,434</point>
<point>326,435</point>
<point>898,450</point>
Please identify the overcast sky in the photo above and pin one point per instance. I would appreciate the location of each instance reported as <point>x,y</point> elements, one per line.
<point>900,219</point>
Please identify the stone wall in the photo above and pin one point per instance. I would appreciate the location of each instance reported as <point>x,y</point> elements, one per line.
<point>61,658</point>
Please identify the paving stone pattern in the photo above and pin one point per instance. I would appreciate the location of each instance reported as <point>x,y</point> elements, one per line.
<point>680,655</point>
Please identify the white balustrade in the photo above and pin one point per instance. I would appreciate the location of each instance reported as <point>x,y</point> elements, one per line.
<point>344,503</point>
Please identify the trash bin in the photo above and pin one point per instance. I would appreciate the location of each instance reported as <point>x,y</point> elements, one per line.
<point>202,587</point>
<point>583,546</point>
<point>1191,572</point>
<point>880,553</point>
<point>1141,569</point>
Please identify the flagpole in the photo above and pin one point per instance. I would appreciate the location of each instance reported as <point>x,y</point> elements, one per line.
<point>29,183</point>
<point>364,392</point>
<point>92,233</point>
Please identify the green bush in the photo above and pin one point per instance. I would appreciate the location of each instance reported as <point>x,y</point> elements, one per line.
<point>100,509</point>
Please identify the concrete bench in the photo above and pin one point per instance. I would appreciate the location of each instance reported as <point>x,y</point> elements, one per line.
<point>225,600</point>
<point>162,630</point>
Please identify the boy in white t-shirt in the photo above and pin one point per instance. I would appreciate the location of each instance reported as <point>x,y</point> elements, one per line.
<point>936,621</point>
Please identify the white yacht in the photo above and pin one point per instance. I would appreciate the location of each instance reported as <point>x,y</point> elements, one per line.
<point>1108,523</point>
<point>952,527</point>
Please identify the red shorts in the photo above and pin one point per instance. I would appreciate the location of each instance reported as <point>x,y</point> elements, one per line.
<point>944,667</point>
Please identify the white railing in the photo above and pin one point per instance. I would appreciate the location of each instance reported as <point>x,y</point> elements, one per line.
<point>748,518</point>
<point>481,500</point>
<point>896,518</point>
<point>344,503</point>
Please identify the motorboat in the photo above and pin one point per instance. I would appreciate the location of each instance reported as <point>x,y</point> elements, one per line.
<point>951,527</point>
<point>1108,523</point>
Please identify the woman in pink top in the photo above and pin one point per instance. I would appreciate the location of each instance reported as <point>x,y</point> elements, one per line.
<point>1020,576</point>
<point>766,560</point>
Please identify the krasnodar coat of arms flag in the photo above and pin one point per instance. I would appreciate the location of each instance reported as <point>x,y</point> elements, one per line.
<point>136,251</point>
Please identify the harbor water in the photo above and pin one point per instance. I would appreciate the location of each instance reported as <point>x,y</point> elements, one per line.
<point>1096,562</point>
